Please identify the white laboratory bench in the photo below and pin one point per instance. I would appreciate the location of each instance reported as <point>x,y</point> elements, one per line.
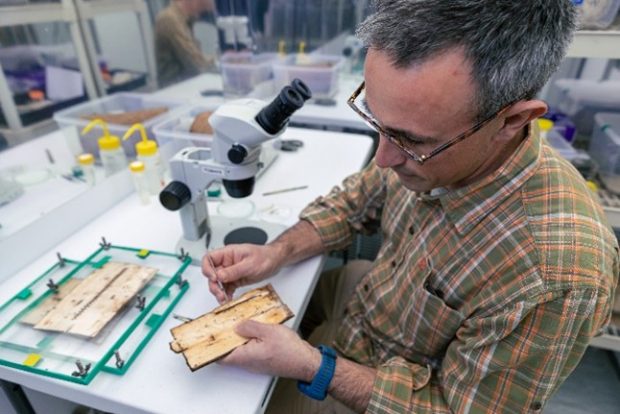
<point>159,381</point>
<point>339,115</point>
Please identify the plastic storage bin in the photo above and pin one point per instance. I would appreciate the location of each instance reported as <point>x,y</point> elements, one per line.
<point>173,134</point>
<point>319,72</point>
<point>73,119</point>
<point>242,72</point>
<point>581,99</point>
<point>597,14</point>
<point>605,143</point>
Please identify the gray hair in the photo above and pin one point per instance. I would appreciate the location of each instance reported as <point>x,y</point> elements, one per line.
<point>513,46</point>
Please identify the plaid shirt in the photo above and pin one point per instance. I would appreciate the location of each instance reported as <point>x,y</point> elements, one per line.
<point>481,299</point>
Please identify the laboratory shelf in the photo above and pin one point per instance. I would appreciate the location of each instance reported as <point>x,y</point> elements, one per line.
<point>596,44</point>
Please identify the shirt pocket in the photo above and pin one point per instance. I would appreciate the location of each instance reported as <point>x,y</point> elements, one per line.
<point>428,324</point>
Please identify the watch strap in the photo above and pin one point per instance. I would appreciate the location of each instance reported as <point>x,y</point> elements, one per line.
<point>317,388</point>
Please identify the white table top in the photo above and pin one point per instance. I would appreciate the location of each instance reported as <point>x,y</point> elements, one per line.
<point>339,115</point>
<point>159,380</point>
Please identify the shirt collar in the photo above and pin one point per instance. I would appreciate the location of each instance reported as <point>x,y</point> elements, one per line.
<point>467,206</point>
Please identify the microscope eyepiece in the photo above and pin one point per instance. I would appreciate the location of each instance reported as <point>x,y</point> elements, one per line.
<point>301,88</point>
<point>273,117</point>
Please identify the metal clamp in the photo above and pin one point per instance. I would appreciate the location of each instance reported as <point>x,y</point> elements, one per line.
<point>82,370</point>
<point>53,286</point>
<point>183,255</point>
<point>61,260</point>
<point>119,361</point>
<point>104,244</point>
<point>180,281</point>
<point>141,302</point>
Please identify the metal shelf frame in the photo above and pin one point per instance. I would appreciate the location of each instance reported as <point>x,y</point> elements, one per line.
<point>77,14</point>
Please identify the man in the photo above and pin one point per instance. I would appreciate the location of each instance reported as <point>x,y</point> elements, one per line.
<point>497,266</point>
<point>177,51</point>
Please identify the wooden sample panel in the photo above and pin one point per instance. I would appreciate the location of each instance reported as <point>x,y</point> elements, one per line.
<point>33,317</point>
<point>99,297</point>
<point>129,117</point>
<point>212,335</point>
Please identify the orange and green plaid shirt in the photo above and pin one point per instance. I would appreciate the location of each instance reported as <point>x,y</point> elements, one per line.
<point>481,299</point>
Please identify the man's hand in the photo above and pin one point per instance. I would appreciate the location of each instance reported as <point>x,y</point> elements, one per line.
<point>274,350</point>
<point>239,265</point>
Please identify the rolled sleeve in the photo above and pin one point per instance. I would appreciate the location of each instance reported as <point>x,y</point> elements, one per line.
<point>353,207</point>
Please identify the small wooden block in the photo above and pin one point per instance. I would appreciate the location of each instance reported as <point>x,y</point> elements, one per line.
<point>211,336</point>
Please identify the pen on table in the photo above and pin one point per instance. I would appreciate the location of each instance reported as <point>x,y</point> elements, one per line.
<point>285,190</point>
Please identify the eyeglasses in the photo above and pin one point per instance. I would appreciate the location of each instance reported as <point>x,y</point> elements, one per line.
<point>404,143</point>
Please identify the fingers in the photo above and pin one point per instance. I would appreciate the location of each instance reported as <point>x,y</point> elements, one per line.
<point>252,329</point>
<point>222,296</point>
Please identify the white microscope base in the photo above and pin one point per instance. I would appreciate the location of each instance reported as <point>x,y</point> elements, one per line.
<point>220,227</point>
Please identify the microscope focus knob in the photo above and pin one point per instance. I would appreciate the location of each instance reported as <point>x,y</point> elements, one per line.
<point>237,153</point>
<point>175,195</point>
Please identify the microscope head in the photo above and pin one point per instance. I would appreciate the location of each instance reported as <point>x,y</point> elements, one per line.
<point>241,126</point>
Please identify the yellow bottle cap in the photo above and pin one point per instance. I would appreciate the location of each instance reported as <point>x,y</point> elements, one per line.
<point>592,185</point>
<point>136,166</point>
<point>106,142</point>
<point>545,124</point>
<point>282,48</point>
<point>145,147</point>
<point>86,159</point>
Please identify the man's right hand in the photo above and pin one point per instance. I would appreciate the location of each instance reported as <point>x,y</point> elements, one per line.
<point>238,265</point>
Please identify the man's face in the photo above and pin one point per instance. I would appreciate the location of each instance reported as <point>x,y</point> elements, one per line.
<point>432,103</point>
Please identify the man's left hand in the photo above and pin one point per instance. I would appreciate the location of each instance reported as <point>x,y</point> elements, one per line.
<point>274,350</point>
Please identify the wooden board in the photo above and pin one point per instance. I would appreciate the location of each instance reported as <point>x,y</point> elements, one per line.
<point>211,336</point>
<point>201,124</point>
<point>98,298</point>
<point>34,316</point>
<point>129,117</point>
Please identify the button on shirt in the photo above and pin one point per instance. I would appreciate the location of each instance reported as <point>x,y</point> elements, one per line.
<point>481,299</point>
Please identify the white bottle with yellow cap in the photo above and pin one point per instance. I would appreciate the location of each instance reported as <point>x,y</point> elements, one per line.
<point>111,152</point>
<point>148,153</point>
<point>138,175</point>
<point>87,164</point>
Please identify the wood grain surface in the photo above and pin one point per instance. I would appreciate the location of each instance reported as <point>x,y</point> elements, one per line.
<point>211,336</point>
<point>99,297</point>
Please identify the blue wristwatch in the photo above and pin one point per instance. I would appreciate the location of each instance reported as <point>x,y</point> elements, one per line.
<point>317,389</point>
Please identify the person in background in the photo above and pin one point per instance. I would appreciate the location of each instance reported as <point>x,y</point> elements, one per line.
<point>177,51</point>
<point>497,266</point>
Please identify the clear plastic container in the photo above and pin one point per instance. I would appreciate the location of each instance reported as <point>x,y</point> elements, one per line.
<point>581,99</point>
<point>605,143</point>
<point>597,14</point>
<point>174,134</point>
<point>76,117</point>
<point>320,72</point>
<point>242,72</point>
<point>111,152</point>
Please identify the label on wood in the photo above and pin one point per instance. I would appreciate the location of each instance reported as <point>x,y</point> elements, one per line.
<point>211,336</point>
<point>98,298</point>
